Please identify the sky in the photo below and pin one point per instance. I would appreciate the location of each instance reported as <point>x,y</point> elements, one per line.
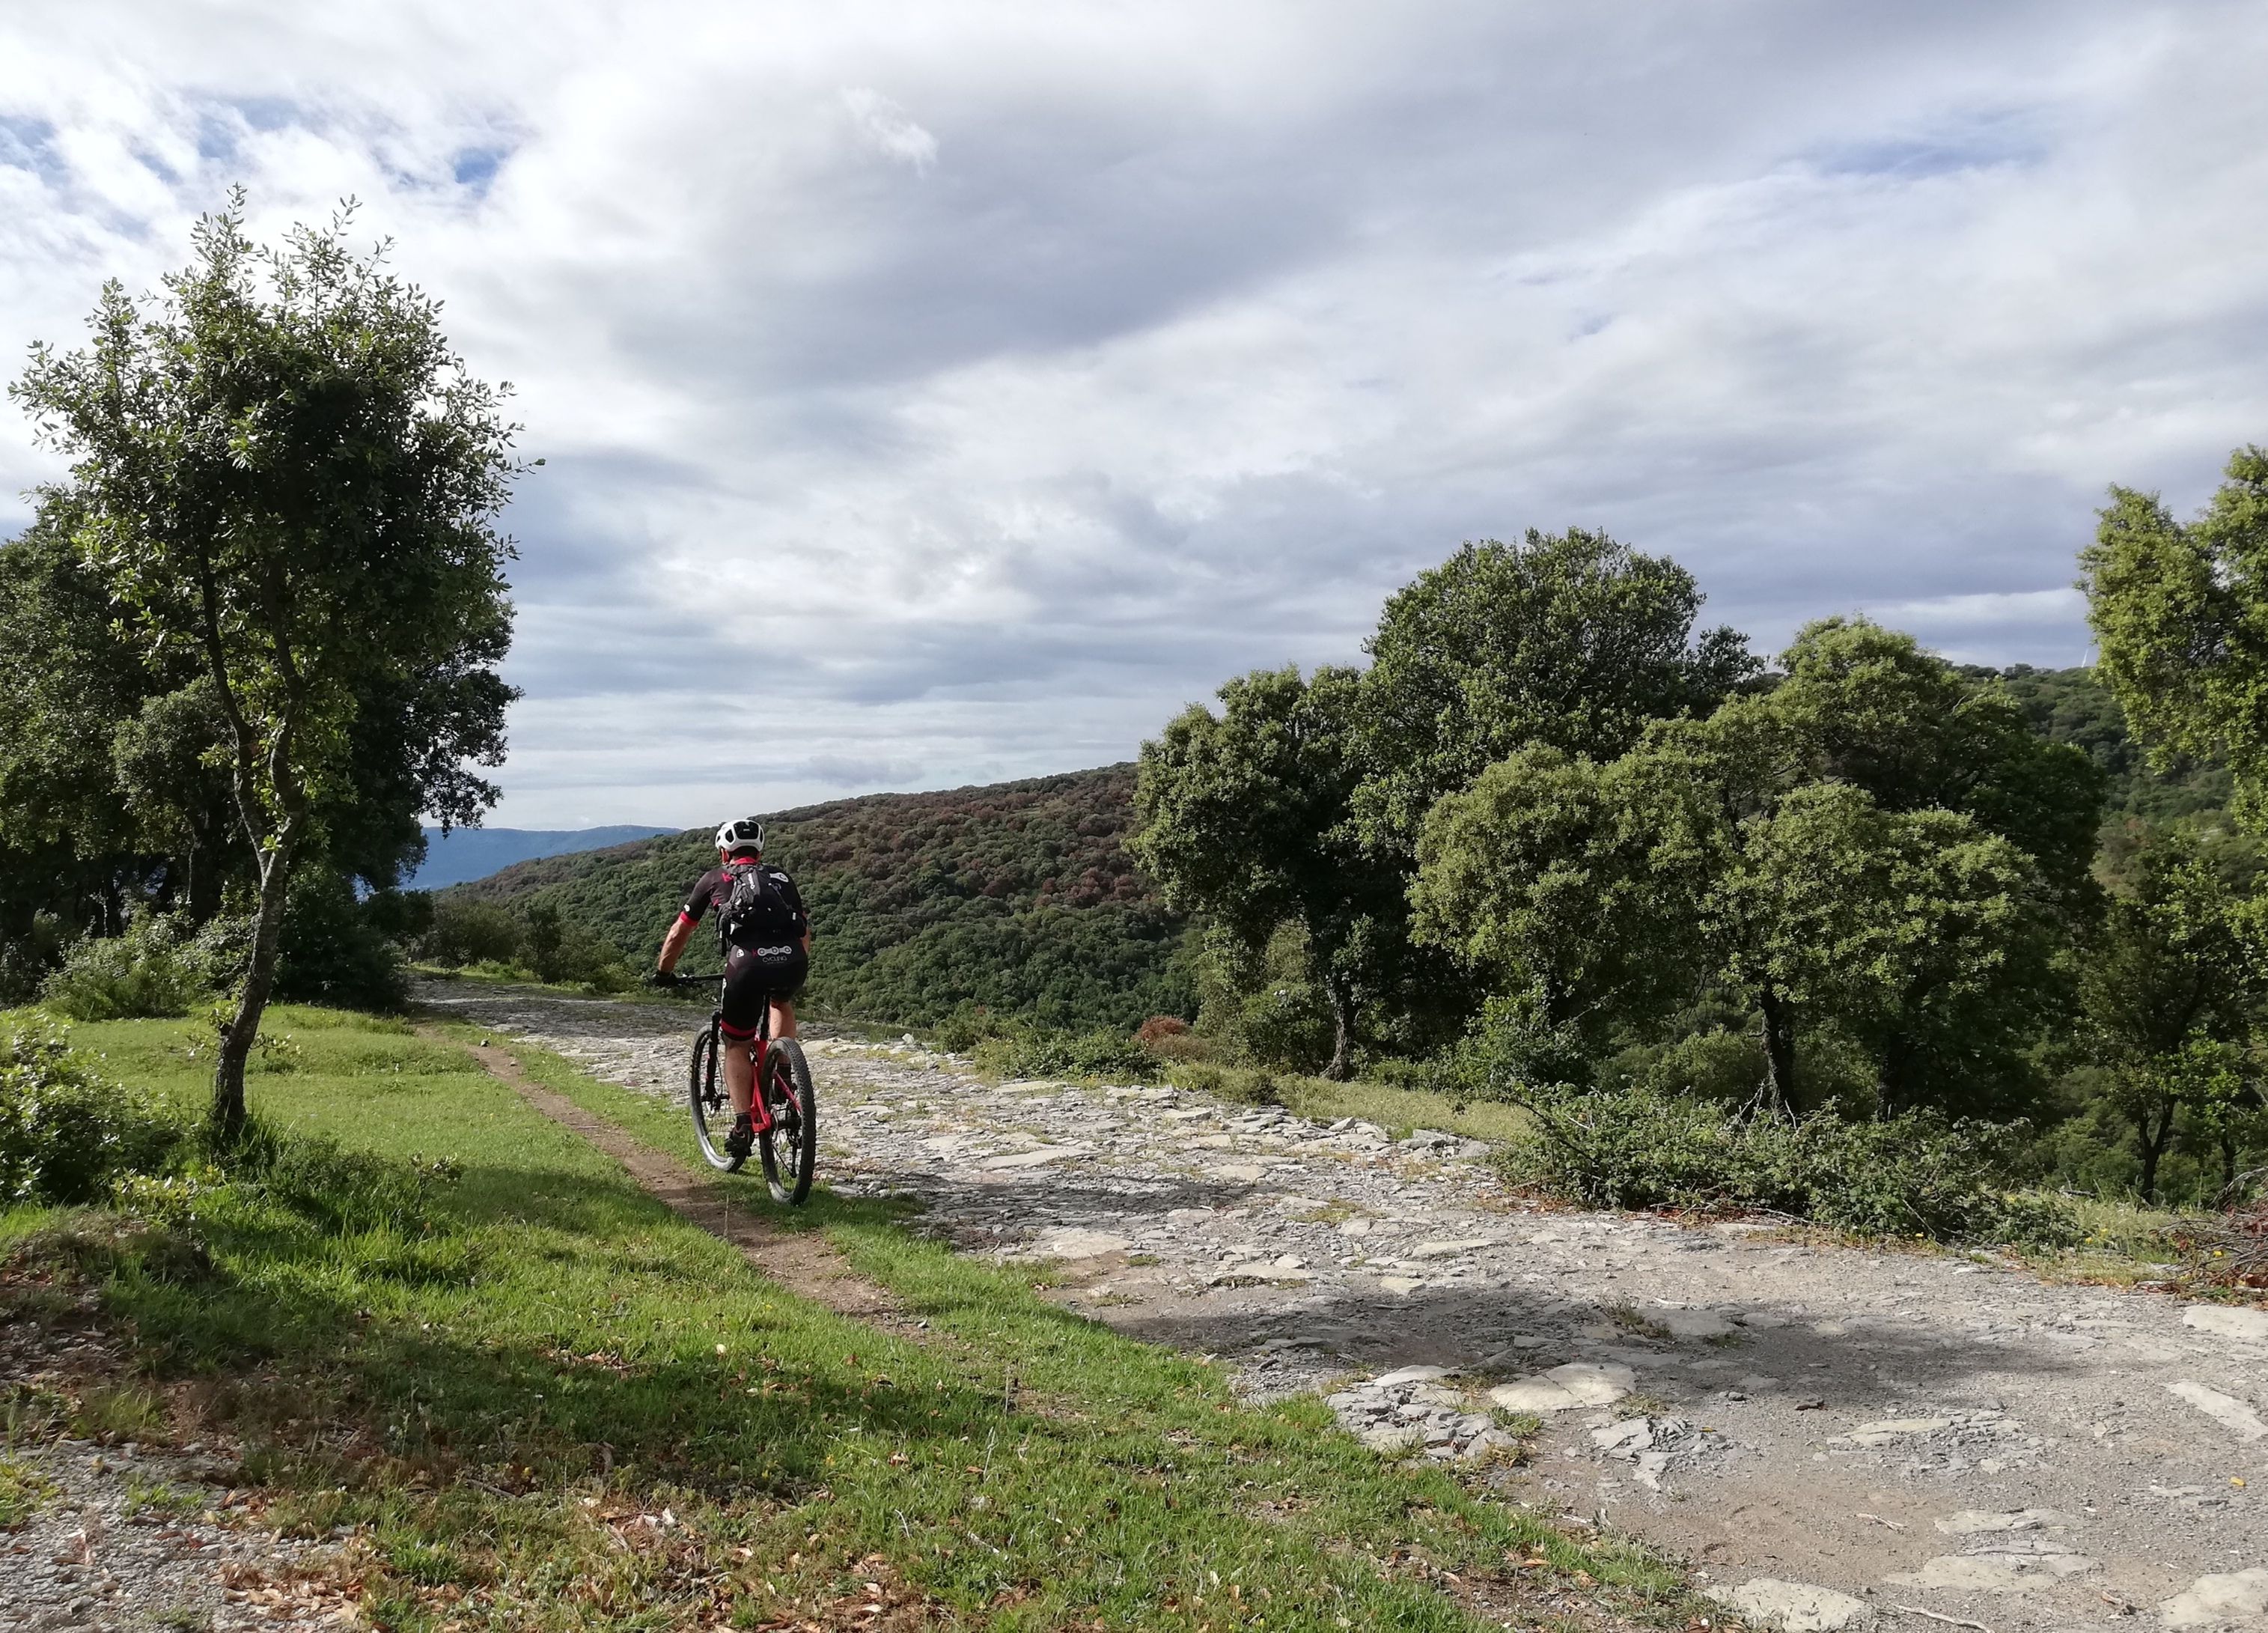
<point>935,395</point>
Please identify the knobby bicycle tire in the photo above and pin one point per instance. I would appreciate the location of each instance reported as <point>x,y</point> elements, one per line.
<point>791,1149</point>
<point>711,1106</point>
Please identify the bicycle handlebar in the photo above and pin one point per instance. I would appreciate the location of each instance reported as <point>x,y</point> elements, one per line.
<point>674,978</point>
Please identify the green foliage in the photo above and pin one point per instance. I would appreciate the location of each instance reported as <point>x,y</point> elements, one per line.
<point>146,971</point>
<point>1246,818</point>
<point>24,1492</point>
<point>2180,614</point>
<point>336,949</point>
<point>558,949</point>
<point>279,467</point>
<point>65,1132</point>
<point>1036,1051</point>
<point>1568,640</point>
<point>1788,850</point>
<point>1019,899</point>
<point>1914,1175</point>
<point>465,931</point>
<point>2171,996</point>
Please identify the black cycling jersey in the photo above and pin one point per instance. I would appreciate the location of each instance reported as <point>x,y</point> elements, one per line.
<point>714,888</point>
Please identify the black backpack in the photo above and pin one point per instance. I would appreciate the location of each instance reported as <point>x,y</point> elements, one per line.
<point>755,913</point>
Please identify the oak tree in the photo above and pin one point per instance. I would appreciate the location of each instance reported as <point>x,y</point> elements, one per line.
<point>283,474</point>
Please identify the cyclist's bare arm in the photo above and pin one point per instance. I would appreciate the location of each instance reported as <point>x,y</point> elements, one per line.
<point>672,945</point>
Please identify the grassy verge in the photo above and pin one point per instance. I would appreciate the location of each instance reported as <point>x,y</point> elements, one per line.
<point>536,1398</point>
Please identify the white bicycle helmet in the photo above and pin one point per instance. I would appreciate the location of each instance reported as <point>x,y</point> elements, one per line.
<point>745,834</point>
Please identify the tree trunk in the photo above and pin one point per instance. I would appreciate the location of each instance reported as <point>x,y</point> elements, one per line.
<point>1891,1082</point>
<point>236,1038</point>
<point>2227,1162</point>
<point>2155,1126</point>
<point>1778,1032</point>
<point>1342,1065</point>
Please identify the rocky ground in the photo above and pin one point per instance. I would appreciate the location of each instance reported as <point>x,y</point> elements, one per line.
<point>1830,1436</point>
<point>132,1537</point>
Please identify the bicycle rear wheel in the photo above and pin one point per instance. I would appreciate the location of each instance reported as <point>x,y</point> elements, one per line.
<point>791,1148</point>
<point>712,1107</point>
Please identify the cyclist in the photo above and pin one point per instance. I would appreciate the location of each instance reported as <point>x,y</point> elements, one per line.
<point>767,938</point>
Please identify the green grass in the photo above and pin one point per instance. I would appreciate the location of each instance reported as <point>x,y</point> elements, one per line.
<point>24,1492</point>
<point>1400,1111</point>
<point>542,1400</point>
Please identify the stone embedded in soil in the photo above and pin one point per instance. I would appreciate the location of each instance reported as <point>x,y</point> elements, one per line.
<point>1981,1522</point>
<point>1411,1375</point>
<point>1577,1384</point>
<point>1995,1572</point>
<point>1886,1430</point>
<point>2228,1321</point>
<point>1072,1242</point>
<point>2227,1410</point>
<point>2238,1599</point>
<point>1690,1323</point>
<point>1793,1607</point>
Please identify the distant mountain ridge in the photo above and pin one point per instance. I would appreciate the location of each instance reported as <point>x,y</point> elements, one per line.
<point>1018,897</point>
<point>463,854</point>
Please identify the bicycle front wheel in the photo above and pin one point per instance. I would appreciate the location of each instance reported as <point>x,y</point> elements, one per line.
<point>791,1148</point>
<point>712,1107</point>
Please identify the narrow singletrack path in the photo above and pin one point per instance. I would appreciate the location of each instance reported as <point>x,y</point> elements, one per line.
<point>803,1262</point>
<point>1835,1437</point>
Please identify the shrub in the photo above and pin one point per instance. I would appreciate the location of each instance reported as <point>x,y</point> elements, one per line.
<point>1919,1174</point>
<point>145,972</point>
<point>562,949</point>
<point>333,950</point>
<point>1033,1052</point>
<point>65,1133</point>
<point>26,959</point>
<point>1247,1085</point>
<point>469,932</point>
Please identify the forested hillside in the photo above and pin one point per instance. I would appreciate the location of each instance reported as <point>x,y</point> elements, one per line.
<point>1017,898</point>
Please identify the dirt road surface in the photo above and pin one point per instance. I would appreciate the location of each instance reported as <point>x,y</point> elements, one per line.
<point>1830,1438</point>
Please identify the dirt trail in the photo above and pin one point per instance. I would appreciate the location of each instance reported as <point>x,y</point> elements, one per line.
<point>1831,1437</point>
<point>801,1261</point>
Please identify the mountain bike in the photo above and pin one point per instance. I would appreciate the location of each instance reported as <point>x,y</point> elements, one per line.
<point>784,1109</point>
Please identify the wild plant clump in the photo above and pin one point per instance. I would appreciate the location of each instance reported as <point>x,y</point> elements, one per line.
<point>1919,1174</point>
<point>155,969</point>
<point>1036,1051</point>
<point>65,1132</point>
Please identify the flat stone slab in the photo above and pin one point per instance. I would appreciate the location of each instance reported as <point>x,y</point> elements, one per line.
<point>1040,1158</point>
<point>1884,1431</point>
<point>1972,1522</point>
<point>1577,1384</point>
<point>1995,1573</point>
<point>1411,1375</point>
<point>1071,1242</point>
<point>1445,1249</point>
<point>1793,1607</point>
<point>2228,1320</point>
<point>2227,1410</point>
<point>1691,1323</point>
<point>2238,1598</point>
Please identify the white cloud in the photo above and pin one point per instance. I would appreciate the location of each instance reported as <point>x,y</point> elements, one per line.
<point>1171,338</point>
<point>883,123</point>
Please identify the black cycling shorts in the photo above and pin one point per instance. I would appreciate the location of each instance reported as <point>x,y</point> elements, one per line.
<point>753,976</point>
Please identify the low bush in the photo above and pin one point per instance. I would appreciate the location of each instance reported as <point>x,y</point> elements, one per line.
<point>1036,1051</point>
<point>1248,1085</point>
<point>1916,1175</point>
<point>65,1132</point>
<point>148,971</point>
<point>464,932</point>
<point>335,948</point>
